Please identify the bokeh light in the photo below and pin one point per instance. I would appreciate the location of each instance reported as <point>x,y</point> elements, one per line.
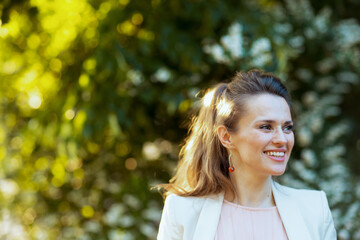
<point>95,98</point>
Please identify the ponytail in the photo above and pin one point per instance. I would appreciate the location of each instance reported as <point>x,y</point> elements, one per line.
<point>202,169</point>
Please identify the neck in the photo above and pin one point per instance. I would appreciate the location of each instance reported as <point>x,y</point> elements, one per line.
<point>251,191</point>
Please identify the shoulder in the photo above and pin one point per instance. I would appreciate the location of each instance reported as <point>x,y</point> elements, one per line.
<point>180,216</point>
<point>313,204</point>
<point>184,205</point>
<point>310,201</point>
<point>188,209</point>
<point>186,201</point>
<point>313,207</point>
<point>302,196</point>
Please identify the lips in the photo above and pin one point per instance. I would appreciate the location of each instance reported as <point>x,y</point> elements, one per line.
<point>277,155</point>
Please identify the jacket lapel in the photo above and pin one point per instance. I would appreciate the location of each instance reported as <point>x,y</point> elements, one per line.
<point>209,218</point>
<point>290,214</point>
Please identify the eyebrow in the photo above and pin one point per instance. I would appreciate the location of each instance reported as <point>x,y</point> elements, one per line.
<point>272,121</point>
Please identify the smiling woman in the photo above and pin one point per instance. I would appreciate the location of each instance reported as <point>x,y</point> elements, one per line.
<point>264,141</point>
<point>223,187</point>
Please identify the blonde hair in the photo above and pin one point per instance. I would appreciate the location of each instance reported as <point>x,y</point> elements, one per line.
<point>203,161</point>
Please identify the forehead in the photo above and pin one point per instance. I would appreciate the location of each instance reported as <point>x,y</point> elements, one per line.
<point>267,107</point>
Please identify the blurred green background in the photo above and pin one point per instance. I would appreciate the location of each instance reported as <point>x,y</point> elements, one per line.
<point>95,97</point>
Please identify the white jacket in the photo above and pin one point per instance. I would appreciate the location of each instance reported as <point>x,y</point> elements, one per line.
<point>304,213</point>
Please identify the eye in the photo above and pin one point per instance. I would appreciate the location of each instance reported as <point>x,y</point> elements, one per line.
<point>265,127</point>
<point>289,128</point>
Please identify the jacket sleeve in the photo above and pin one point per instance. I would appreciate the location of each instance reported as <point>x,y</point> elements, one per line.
<point>169,229</point>
<point>329,232</point>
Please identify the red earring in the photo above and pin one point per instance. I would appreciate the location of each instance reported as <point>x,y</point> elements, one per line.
<point>231,168</point>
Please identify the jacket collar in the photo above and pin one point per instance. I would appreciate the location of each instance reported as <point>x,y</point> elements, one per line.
<point>209,218</point>
<point>289,212</point>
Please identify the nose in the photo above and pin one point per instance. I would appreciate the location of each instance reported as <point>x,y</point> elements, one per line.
<point>279,137</point>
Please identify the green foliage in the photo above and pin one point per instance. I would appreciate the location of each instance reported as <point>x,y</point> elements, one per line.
<point>95,96</point>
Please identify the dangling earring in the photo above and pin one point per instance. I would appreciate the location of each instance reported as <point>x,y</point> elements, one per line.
<point>231,168</point>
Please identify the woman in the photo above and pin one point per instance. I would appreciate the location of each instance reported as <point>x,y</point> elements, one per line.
<point>223,187</point>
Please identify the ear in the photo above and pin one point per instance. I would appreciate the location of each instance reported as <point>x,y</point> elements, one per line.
<point>224,137</point>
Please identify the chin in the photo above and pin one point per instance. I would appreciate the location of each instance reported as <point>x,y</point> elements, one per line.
<point>278,172</point>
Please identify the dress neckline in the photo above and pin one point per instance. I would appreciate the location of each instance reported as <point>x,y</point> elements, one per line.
<point>249,208</point>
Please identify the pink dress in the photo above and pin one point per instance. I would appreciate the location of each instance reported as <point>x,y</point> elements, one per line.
<point>238,222</point>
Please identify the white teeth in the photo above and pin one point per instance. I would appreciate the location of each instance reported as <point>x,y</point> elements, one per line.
<point>276,154</point>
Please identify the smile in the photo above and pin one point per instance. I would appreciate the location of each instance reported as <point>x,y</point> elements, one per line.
<point>276,156</point>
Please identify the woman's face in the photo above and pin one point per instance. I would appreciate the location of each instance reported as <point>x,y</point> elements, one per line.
<point>264,139</point>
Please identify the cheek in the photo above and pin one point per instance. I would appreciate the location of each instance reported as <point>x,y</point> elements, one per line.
<point>258,140</point>
<point>291,141</point>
